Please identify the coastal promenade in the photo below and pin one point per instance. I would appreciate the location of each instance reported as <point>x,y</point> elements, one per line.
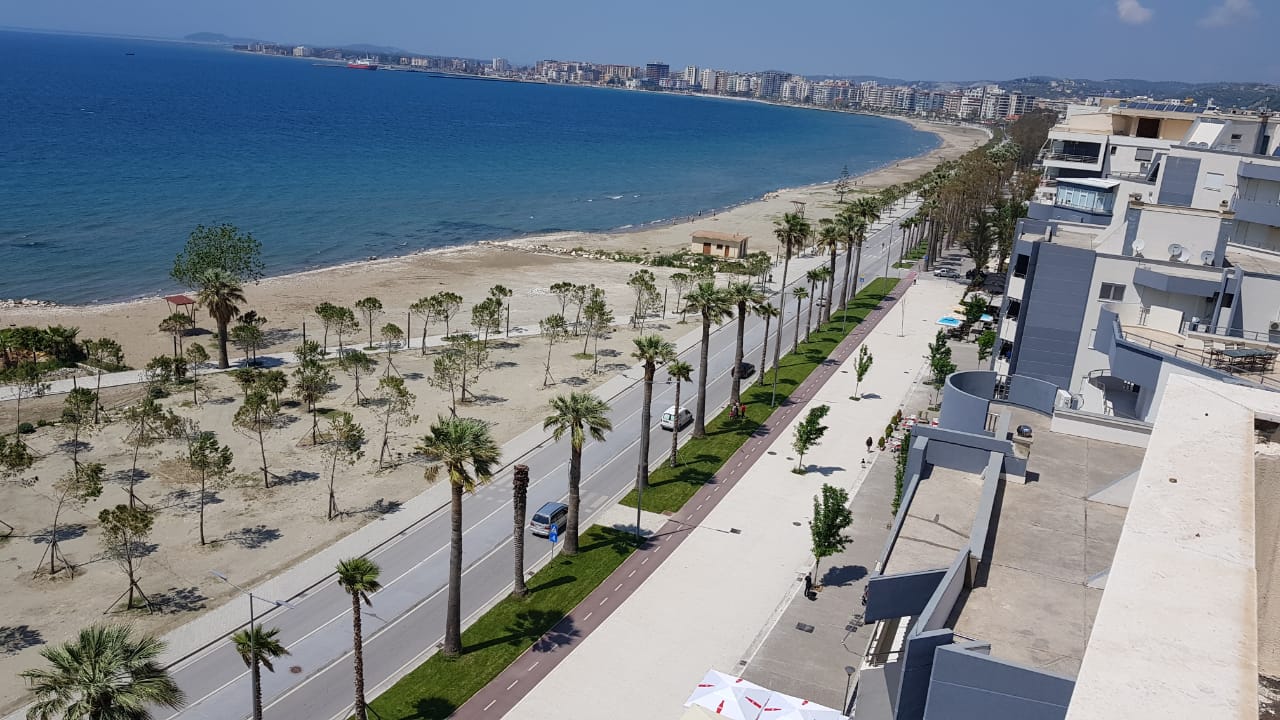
<point>716,595</point>
<point>314,682</point>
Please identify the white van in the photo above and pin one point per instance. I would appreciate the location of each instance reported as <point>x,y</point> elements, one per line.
<point>668,421</point>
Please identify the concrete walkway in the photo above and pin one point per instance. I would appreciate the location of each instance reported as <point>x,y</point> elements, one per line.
<point>729,564</point>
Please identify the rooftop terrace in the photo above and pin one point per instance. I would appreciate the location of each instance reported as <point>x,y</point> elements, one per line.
<point>1036,600</point>
<point>938,522</point>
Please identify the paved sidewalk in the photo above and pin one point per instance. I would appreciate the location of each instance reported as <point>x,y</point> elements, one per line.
<point>812,664</point>
<point>736,561</point>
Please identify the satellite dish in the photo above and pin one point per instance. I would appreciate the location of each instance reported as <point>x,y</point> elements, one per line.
<point>1138,246</point>
<point>1175,251</point>
<point>1206,257</point>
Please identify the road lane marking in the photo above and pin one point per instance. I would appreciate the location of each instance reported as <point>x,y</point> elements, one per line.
<point>588,617</point>
<point>619,586</point>
<point>633,572</point>
<point>513,683</point>
<point>491,702</point>
<point>603,601</point>
<point>534,665</point>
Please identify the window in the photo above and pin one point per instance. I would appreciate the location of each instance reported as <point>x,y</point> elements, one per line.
<point>1114,149</point>
<point>1143,154</point>
<point>1020,266</point>
<point>1213,181</point>
<point>1111,291</point>
<point>1235,137</point>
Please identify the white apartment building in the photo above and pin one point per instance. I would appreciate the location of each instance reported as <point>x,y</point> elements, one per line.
<point>691,75</point>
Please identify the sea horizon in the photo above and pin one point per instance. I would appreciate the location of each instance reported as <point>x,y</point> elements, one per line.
<point>115,160</point>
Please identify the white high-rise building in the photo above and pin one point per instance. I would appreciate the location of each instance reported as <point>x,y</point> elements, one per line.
<point>500,65</point>
<point>709,79</point>
<point>691,75</point>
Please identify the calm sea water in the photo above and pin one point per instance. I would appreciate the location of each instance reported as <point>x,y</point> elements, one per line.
<point>108,160</point>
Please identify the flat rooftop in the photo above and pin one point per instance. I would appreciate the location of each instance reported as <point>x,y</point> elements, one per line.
<point>1254,261</point>
<point>1176,634</point>
<point>1077,236</point>
<point>1035,602</point>
<point>938,522</point>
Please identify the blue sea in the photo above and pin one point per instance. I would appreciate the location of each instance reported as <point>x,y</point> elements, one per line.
<point>108,160</point>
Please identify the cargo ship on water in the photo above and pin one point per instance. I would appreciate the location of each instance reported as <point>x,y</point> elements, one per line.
<point>362,65</point>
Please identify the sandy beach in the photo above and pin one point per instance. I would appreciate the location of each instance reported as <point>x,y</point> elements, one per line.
<point>261,531</point>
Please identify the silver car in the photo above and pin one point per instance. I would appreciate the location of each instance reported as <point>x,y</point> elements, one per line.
<point>552,513</point>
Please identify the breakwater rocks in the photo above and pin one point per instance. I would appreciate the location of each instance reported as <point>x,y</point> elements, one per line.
<point>26,303</point>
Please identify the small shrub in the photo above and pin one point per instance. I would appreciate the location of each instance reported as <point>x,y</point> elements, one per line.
<point>26,428</point>
<point>157,392</point>
<point>43,423</point>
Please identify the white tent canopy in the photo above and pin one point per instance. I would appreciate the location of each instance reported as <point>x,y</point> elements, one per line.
<point>728,696</point>
<point>722,695</point>
<point>786,707</point>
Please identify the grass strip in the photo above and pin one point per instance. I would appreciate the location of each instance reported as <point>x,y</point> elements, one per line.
<point>439,686</point>
<point>701,458</point>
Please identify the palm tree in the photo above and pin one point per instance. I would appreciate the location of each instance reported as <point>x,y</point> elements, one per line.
<point>814,276</point>
<point>519,501</point>
<point>745,295</point>
<point>650,350</point>
<point>713,305</point>
<point>454,443</point>
<point>104,674</point>
<point>359,577</point>
<point>791,231</point>
<point>855,219</point>
<point>799,294</point>
<point>579,414</point>
<point>257,647</point>
<point>678,371</point>
<point>177,325</point>
<point>768,311</point>
<point>219,294</point>
<point>830,238</point>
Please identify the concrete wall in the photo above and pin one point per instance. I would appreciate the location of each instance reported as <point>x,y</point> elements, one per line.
<point>980,534</point>
<point>1052,314</point>
<point>1134,433</point>
<point>1257,305</point>
<point>901,595</point>
<point>965,400</point>
<point>917,670</point>
<point>937,611</point>
<point>968,684</point>
<point>1032,393</point>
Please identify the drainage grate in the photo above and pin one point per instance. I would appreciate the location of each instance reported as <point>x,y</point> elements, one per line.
<point>735,531</point>
<point>804,627</point>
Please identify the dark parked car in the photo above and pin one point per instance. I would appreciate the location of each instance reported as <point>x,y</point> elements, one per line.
<point>552,513</point>
<point>744,370</point>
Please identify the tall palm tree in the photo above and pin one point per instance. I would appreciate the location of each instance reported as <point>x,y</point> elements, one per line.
<point>220,294</point>
<point>799,294</point>
<point>257,647</point>
<point>791,231</point>
<point>745,295</point>
<point>815,277</point>
<point>519,502</point>
<point>678,371</point>
<point>713,305</point>
<point>858,217</point>
<point>104,674</point>
<point>768,311</point>
<point>830,238</point>
<point>359,577</point>
<point>454,444</point>
<point>651,350</point>
<point>579,414</point>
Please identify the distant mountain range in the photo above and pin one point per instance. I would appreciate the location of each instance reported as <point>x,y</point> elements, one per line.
<point>219,39</point>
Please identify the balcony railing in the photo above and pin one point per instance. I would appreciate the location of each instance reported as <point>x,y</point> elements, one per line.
<point>1067,157</point>
<point>1271,338</point>
<point>1200,357</point>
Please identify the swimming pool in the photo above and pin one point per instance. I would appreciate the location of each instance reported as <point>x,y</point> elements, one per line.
<point>949,321</point>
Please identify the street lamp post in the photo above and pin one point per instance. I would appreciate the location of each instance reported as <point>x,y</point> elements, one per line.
<point>253,665</point>
<point>848,671</point>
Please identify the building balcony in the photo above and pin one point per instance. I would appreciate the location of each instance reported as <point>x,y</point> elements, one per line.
<point>1136,352</point>
<point>1262,212</point>
<point>1072,158</point>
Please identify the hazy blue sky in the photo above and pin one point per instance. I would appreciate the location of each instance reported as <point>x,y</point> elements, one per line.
<point>916,39</point>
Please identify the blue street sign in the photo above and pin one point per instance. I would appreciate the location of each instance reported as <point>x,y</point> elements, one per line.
<point>554,535</point>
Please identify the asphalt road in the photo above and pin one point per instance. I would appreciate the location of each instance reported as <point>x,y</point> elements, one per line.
<point>406,621</point>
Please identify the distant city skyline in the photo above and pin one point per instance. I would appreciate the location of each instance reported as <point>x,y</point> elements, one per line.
<point>1189,40</point>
